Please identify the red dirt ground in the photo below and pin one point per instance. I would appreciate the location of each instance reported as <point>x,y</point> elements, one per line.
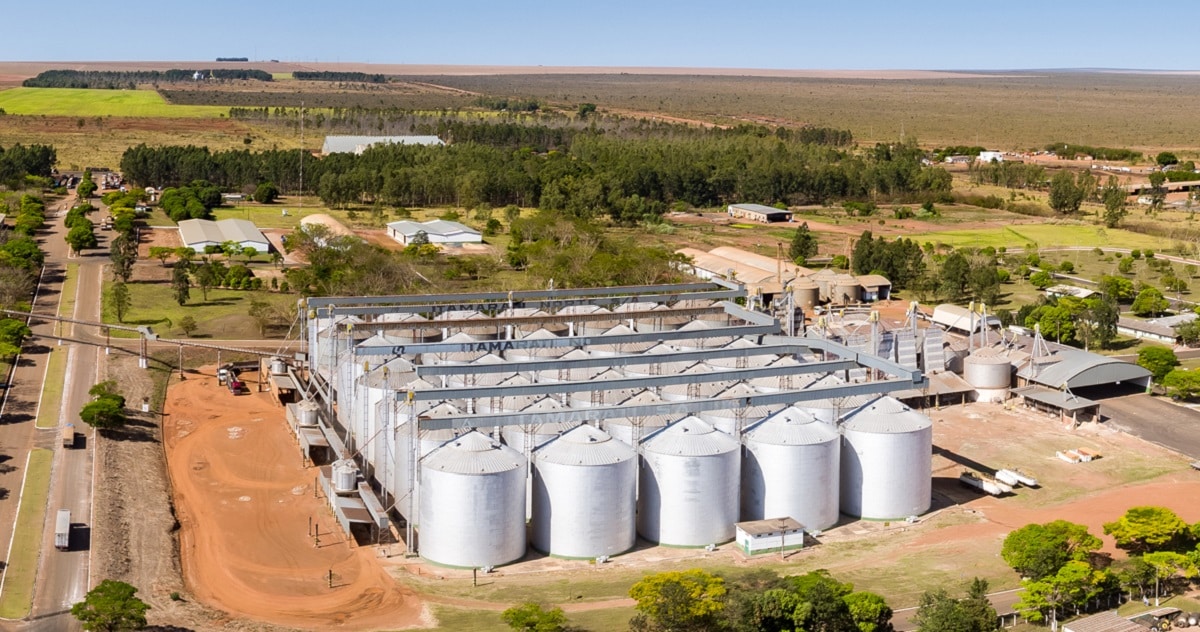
<point>244,503</point>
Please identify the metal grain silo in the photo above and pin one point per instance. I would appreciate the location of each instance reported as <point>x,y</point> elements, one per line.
<point>620,348</point>
<point>536,353</point>
<point>575,374</point>
<point>472,503</point>
<point>831,409</point>
<point>583,495</point>
<point>807,293</point>
<point>453,357</point>
<point>846,290</point>
<point>734,419</point>
<point>990,371</point>
<point>602,396</point>
<point>790,469</point>
<point>631,430</point>
<point>527,437</point>
<point>886,470</point>
<point>688,485</point>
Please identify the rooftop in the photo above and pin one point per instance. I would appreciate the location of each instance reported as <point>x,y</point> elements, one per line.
<point>432,227</point>
<point>768,526</point>
<point>356,144</point>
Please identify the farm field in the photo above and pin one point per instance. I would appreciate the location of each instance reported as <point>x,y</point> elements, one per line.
<point>80,102</point>
<point>1041,235</point>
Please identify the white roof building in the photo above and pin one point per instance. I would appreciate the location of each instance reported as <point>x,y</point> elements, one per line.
<point>357,144</point>
<point>439,231</point>
<point>198,233</point>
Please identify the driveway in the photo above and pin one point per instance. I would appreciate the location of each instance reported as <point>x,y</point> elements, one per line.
<point>1156,420</point>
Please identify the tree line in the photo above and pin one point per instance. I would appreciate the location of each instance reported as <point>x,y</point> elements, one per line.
<point>1070,151</point>
<point>20,161</point>
<point>329,75</point>
<point>129,79</point>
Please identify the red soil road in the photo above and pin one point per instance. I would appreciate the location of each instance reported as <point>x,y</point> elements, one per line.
<point>244,502</point>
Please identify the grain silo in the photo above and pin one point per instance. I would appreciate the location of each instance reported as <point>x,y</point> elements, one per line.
<point>734,419</point>
<point>583,495</point>
<point>845,290</point>
<point>806,293</point>
<point>688,486</point>
<point>631,430</point>
<point>990,372</point>
<point>472,503</point>
<point>790,469</point>
<point>887,451</point>
<point>531,354</point>
<point>831,409</point>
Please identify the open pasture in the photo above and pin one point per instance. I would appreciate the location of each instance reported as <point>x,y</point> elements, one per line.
<point>89,103</point>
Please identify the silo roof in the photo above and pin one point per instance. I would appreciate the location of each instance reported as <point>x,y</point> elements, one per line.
<point>886,415</point>
<point>474,453</point>
<point>584,445</point>
<point>690,436</point>
<point>791,426</point>
<point>844,403</point>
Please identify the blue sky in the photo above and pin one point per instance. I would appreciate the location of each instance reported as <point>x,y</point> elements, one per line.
<point>835,34</point>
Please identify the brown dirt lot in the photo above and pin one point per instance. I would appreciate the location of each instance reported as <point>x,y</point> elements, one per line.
<point>244,502</point>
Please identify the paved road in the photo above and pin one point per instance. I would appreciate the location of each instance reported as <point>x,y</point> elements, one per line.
<point>1156,420</point>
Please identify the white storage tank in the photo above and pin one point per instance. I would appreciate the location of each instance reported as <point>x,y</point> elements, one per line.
<point>631,430</point>
<point>307,413</point>
<point>886,468</point>
<point>830,410</point>
<point>538,353</point>
<point>990,372</point>
<point>530,436</point>
<point>575,374</point>
<point>688,486</point>
<point>790,468</point>
<point>472,503</point>
<point>278,366</point>
<point>345,476</point>
<point>583,495</point>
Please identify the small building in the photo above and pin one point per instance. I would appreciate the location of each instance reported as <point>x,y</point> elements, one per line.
<point>991,156</point>
<point>961,319</point>
<point>1164,330</point>
<point>1069,290</point>
<point>199,233</point>
<point>958,160</point>
<point>358,144</point>
<point>875,287</point>
<point>773,535</point>
<point>439,231</point>
<point>1075,369</point>
<point>759,213</point>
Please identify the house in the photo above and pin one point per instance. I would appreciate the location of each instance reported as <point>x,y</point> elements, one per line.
<point>199,233</point>
<point>874,287</point>
<point>773,535</point>
<point>1069,290</point>
<point>759,213</point>
<point>439,231</point>
<point>991,156</point>
<point>357,144</point>
<point>1164,330</point>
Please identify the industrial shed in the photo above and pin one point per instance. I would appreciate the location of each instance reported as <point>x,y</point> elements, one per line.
<point>960,318</point>
<point>773,535</point>
<point>759,213</point>
<point>1073,369</point>
<point>357,144</point>
<point>198,233</point>
<point>439,231</point>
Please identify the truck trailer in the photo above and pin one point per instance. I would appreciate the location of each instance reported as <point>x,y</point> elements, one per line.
<point>68,435</point>
<point>62,530</point>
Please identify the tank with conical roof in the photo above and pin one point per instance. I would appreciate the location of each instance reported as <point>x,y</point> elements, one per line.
<point>583,495</point>
<point>989,370</point>
<point>630,430</point>
<point>529,354</point>
<point>734,419</point>
<point>806,293</point>
<point>790,469</point>
<point>831,409</point>
<point>431,333</point>
<point>886,467</point>
<point>688,487</point>
<point>472,503</point>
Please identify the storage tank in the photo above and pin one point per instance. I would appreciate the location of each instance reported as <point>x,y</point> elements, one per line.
<point>598,327</point>
<point>345,476</point>
<point>306,413</point>
<point>886,470</point>
<point>431,333</point>
<point>529,436</point>
<point>631,430</point>
<point>846,290</point>
<point>806,294</point>
<point>574,374</point>
<point>473,503</point>
<point>539,353</point>
<point>278,366</point>
<point>583,495</point>
<point>620,348</point>
<point>831,409</point>
<point>734,419</point>
<point>990,372</point>
<point>602,396</point>
<point>688,487</point>
<point>790,469</point>
<point>454,357</point>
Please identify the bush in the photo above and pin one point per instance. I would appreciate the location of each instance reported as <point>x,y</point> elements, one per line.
<point>266,193</point>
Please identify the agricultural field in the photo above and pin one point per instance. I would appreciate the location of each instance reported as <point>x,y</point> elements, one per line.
<point>89,103</point>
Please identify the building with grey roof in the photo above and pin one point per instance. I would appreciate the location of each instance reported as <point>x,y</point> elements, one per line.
<point>198,233</point>
<point>759,213</point>
<point>1165,330</point>
<point>358,144</point>
<point>1075,369</point>
<point>439,231</point>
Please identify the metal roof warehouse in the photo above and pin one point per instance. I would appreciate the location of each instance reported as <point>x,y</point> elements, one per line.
<point>358,144</point>
<point>198,233</point>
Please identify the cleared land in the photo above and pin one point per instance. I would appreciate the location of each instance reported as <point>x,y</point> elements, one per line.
<point>80,102</point>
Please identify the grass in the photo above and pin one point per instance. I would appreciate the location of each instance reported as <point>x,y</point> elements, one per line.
<point>52,388</point>
<point>66,301</point>
<point>1043,235</point>
<point>222,316</point>
<point>489,620</point>
<point>16,596</point>
<point>82,102</point>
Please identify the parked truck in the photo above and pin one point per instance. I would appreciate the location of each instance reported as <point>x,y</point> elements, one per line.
<point>62,530</point>
<point>68,435</point>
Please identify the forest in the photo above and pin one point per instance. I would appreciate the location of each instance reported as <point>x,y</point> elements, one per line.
<point>589,175</point>
<point>326,75</point>
<point>19,161</point>
<point>122,79</point>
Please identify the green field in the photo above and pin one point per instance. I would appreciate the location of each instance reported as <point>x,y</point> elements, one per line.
<point>16,594</point>
<point>222,316</point>
<point>80,102</point>
<point>1042,235</point>
<point>52,388</point>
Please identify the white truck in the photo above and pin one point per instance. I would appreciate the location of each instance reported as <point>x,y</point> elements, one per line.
<point>62,530</point>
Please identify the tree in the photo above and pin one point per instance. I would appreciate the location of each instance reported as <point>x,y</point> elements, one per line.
<point>1074,584</point>
<point>180,283</point>
<point>532,617</point>
<point>1168,567</point>
<point>804,244</point>
<point>1149,302</point>
<point>81,236</point>
<point>1103,315</point>
<point>1158,361</point>
<point>111,606</point>
<point>1166,158</point>
<point>187,325</point>
<point>86,186</point>
<point>1148,529</point>
<point>1158,192</point>
<point>939,612</point>
<point>206,278</point>
<point>1037,551</point>
<point>1117,288</point>
<point>1065,195</point>
<point>162,253</point>
<point>677,601</point>
<point>119,300</point>
<point>1113,195</point>
<point>104,412</point>
<point>248,252</point>
<point>266,193</point>
<point>12,333</point>
<point>1041,280</point>
<point>123,251</point>
<point>870,612</point>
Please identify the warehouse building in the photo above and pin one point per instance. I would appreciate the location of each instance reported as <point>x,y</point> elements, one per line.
<point>766,277</point>
<point>199,233</point>
<point>438,231</point>
<point>759,213</point>
<point>358,144</point>
<point>602,415</point>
